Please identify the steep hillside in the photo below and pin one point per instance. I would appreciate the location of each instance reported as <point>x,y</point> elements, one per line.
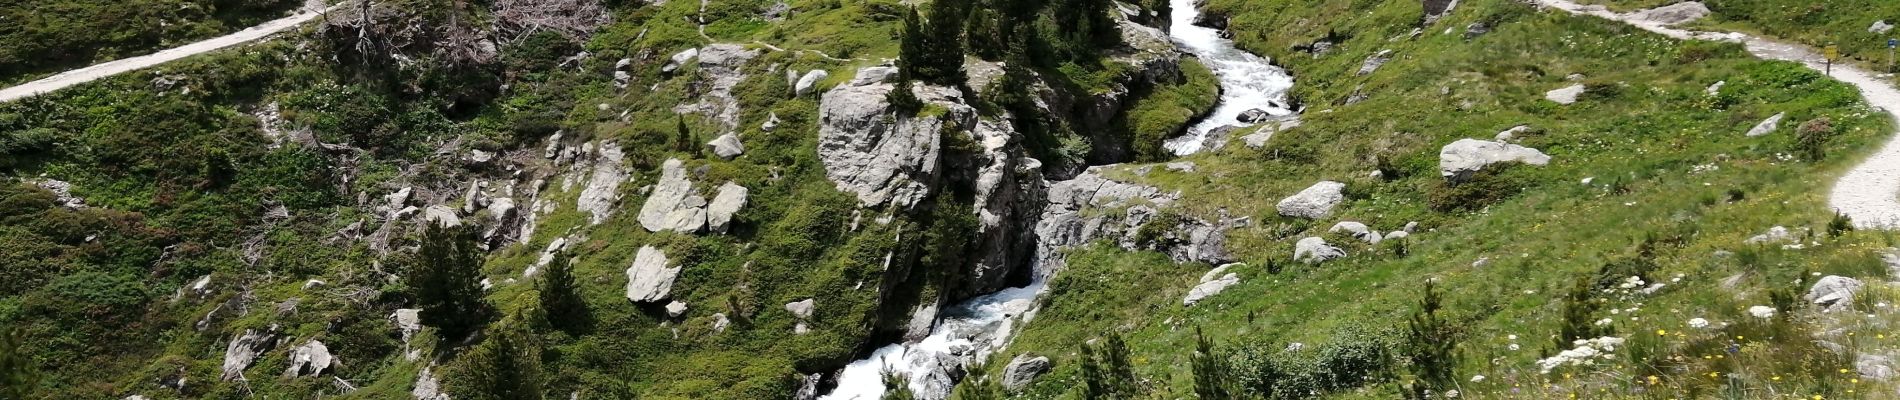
<point>752,199</point>
<point>44,37</point>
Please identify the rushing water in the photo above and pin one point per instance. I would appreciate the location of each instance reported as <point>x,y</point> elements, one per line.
<point>1247,81</point>
<point>970,330</point>
<point>975,328</point>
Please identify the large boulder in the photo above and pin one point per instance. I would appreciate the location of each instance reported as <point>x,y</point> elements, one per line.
<point>1458,160</point>
<point>1314,202</point>
<point>880,157</point>
<point>649,279</point>
<point>1672,14</point>
<point>809,81</point>
<point>673,205</point>
<point>1314,250</point>
<point>1767,126</point>
<point>730,199</point>
<point>1213,282</point>
<point>1834,292</point>
<point>1565,95</point>
<point>310,359</point>
<point>603,184</point>
<point>1024,369</point>
<point>726,146</point>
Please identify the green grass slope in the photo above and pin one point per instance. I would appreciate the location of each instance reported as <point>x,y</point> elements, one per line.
<point>1650,177</point>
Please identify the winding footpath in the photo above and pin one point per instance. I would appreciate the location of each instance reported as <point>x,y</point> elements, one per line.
<point>110,68</point>
<point>1870,192</point>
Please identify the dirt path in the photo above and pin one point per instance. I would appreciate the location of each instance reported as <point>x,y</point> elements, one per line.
<point>1869,193</point>
<point>106,69</point>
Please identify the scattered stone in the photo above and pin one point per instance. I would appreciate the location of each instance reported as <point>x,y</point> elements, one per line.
<point>243,350</point>
<point>1358,230</point>
<point>1024,369</point>
<point>1673,14</point>
<point>802,310</point>
<point>1181,166</point>
<point>1778,234</point>
<point>679,59</point>
<point>1210,285</point>
<point>675,309</point>
<point>1715,89</point>
<point>809,82</point>
<point>649,279</point>
<point>427,387</point>
<point>1565,95</point>
<point>673,205</point>
<point>62,192</point>
<point>1394,235</point>
<point>1314,202</point>
<point>1767,126</point>
<point>1373,62</point>
<point>310,359</point>
<point>730,199</point>
<point>1458,160</point>
<point>771,122</point>
<point>1880,27</point>
<point>1833,292</point>
<point>307,285</point>
<point>726,146</point>
<point>720,322</point>
<point>1314,250</point>
<point>408,322</point>
<point>1259,138</point>
<point>1475,30</point>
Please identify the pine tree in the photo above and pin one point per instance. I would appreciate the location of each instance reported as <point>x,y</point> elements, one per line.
<point>506,366</point>
<point>683,136</point>
<point>1579,315</point>
<point>1213,376</point>
<point>1431,344</point>
<point>984,33</point>
<point>446,282</point>
<point>561,297</point>
<point>896,387</point>
<point>19,378</point>
<point>943,59</point>
<point>1106,372</point>
<point>913,47</point>
<point>902,99</point>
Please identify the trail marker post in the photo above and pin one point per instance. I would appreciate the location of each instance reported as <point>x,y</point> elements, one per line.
<point>1831,52</point>
<point>1891,43</point>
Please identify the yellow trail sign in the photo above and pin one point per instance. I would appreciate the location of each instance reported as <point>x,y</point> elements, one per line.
<point>1832,52</point>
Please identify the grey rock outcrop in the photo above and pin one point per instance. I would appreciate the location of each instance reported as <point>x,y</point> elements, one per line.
<point>244,349</point>
<point>1314,250</point>
<point>1213,282</point>
<point>649,279</point>
<point>427,387</point>
<point>1565,95</point>
<point>1834,292</point>
<point>442,215</point>
<point>679,60</point>
<point>1673,14</point>
<point>1083,210</point>
<point>603,184</point>
<point>1880,27</point>
<point>309,359</point>
<point>1024,369</point>
<point>673,204</point>
<point>802,310</point>
<point>720,69</point>
<point>730,199</point>
<point>1314,202</point>
<point>408,322</point>
<point>1458,160</point>
<point>1259,138</point>
<point>1874,367</point>
<point>1373,62</point>
<point>1767,126</point>
<point>726,146</point>
<point>809,82</point>
<point>62,192</point>
<point>881,158</point>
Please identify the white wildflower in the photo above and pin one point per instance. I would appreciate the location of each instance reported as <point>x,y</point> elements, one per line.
<point>1762,311</point>
<point>1477,378</point>
<point>1698,323</point>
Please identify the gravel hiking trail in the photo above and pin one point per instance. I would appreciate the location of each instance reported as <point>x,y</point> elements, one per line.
<point>115,67</point>
<point>1870,192</point>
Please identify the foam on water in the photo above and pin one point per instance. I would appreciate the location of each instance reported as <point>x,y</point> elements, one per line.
<point>972,329</point>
